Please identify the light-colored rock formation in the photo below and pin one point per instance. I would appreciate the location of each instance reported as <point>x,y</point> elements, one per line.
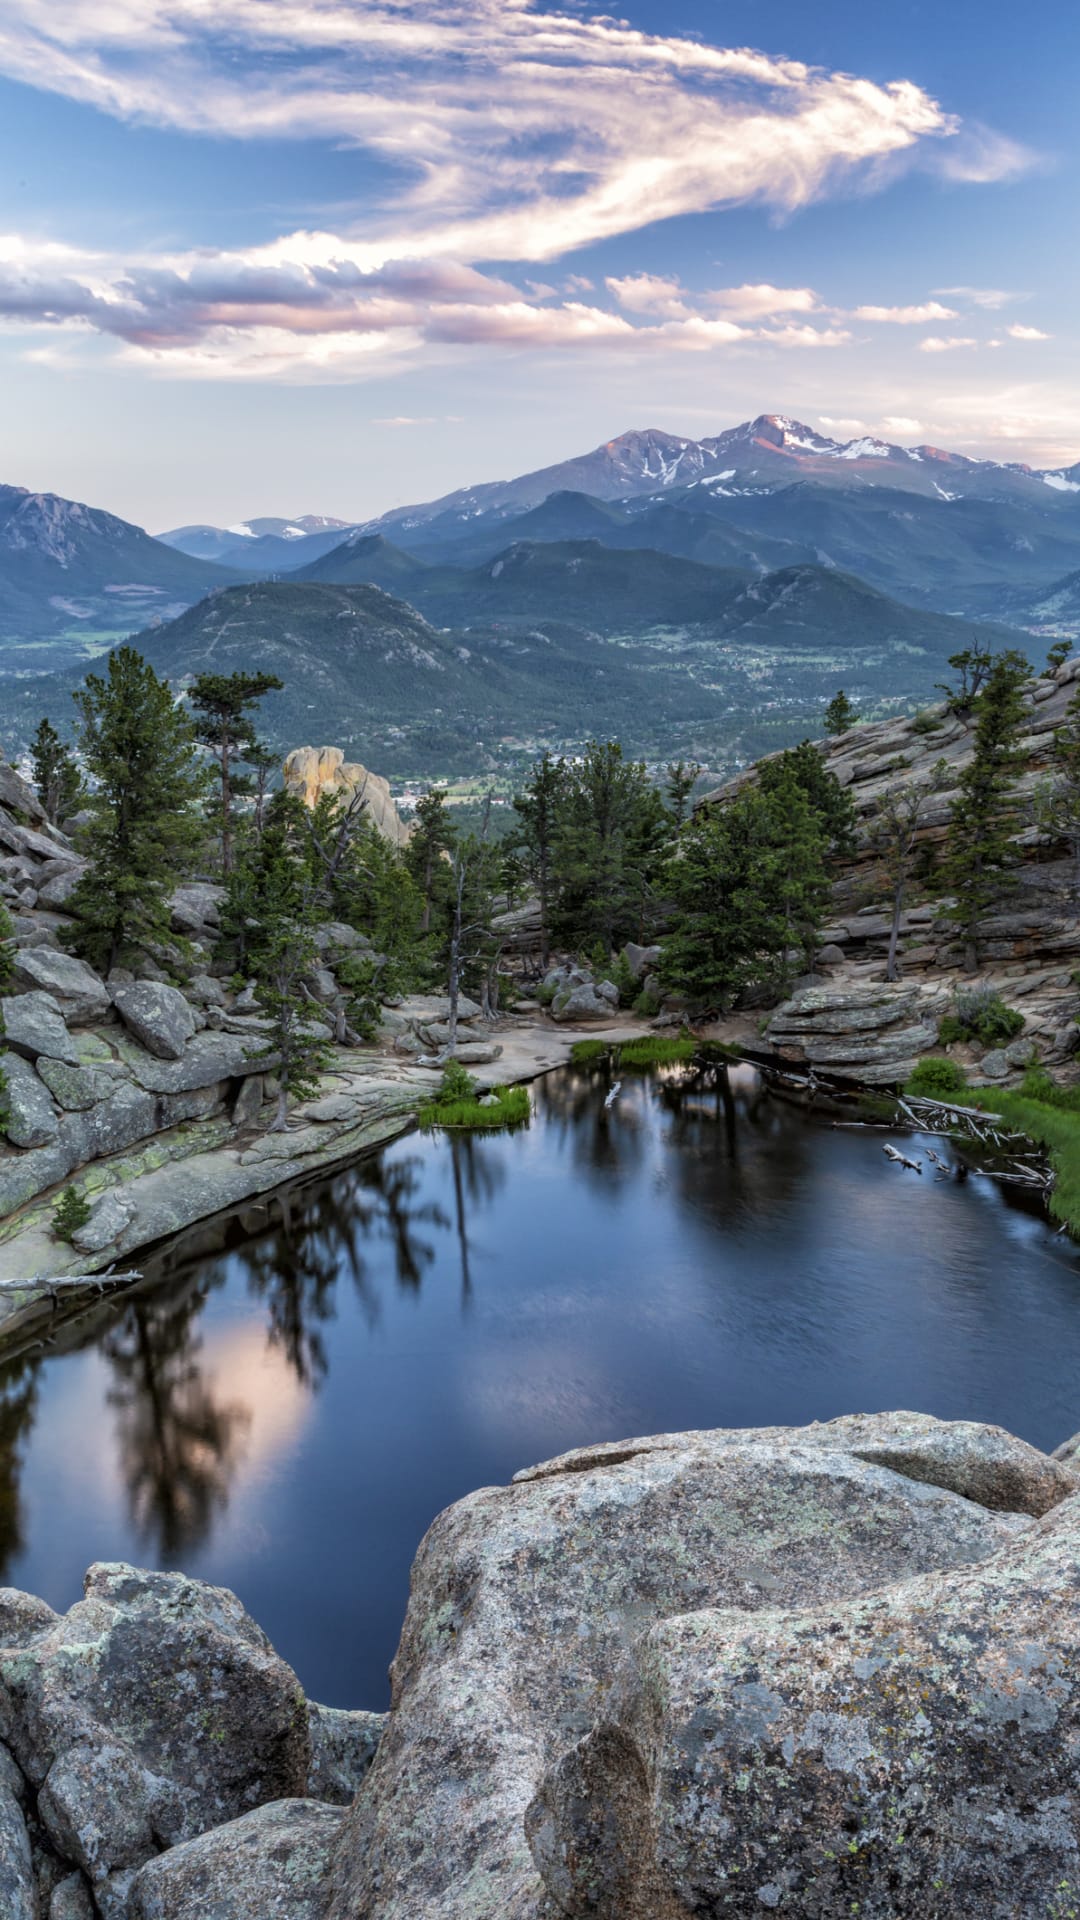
<point>910,1751</point>
<point>528,1601</point>
<point>152,1711</point>
<point>313,771</point>
<point>814,1670</point>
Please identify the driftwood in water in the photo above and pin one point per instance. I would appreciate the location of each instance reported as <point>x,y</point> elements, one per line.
<point>901,1159</point>
<point>53,1286</point>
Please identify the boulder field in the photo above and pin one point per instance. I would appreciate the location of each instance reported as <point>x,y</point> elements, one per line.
<point>820,1671</point>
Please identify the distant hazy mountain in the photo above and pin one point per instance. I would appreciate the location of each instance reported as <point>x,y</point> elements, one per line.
<point>1055,610</point>
<point>67,569</point>
<point>365,559</point>
<point>263,546</point>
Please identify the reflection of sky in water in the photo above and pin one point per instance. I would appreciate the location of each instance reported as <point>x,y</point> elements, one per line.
<point>296,1392</point>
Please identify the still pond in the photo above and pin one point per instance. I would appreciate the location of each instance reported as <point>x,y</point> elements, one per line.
<point>295,1390</point>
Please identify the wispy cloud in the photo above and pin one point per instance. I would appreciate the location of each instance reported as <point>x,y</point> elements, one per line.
<point>936,343</point>
<point>908,316</point>
<point>507,133</point>
<point>516,133</point>
<point>1026,333</point>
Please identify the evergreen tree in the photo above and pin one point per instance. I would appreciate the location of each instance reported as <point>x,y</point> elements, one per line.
<point>611,829</point>
<point>973,666</point>
<point>223,707</point>
<point>280,951</point>
<point>979,850</point>
<point>432,837</point>
<point>682,778</point>
<point>805,766</point>
<point>1058,655</point>
<point>56,776</point>
<point>145,828</point>
<point>840,715</point>
<point>538,809</point>
<point>748,888</point>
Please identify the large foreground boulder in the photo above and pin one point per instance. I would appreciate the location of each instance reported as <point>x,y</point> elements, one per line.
<point>527,1605</point>
<point>907,1752</point>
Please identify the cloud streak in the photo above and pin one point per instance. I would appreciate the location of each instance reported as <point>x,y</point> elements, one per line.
<point>505,133</point>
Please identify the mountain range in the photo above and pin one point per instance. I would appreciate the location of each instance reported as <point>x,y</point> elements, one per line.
<point>651,586</point>
<point>69,568</point>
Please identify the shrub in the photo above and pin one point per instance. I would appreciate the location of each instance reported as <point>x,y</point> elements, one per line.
<point>647,1003</point>
<point>71,1212</point>
<point>927,721</point>
<point>936,1078</point>
<point>544,994</point>
<point>622,977</point>
<point>457,1083</point>
<point>980,1014</point>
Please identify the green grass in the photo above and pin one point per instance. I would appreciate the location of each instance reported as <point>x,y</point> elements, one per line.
<point>1053,1127</point>
<point>586,1053</point>
<point>658,1050</point>
<point>513,1108</point>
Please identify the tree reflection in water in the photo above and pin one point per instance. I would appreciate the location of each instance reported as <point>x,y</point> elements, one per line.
<point>607,1140</point>
<point>318,1233</point>
<point>178,1445</point>
<point>18,1405</point>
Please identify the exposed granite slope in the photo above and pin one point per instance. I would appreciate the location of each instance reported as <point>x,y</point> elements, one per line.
<point>848,1021</point>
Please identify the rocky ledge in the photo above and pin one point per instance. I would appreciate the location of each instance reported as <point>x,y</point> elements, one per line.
<point>819,1671</point>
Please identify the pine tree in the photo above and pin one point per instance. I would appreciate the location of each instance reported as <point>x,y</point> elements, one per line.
<point>682,778</point>
<point>280,951</point>
<point>840,715</point>
<point>538,809</point>
<point>980,851</point>
<point>1057,801</point>
<point>145,828</point>
<point>748,887</point>
<point>831,802</point>
<point>973,666</point>
<point>612,828</point>
<point>223,706</point>
<point>56,776</point>
<point>432,837</point>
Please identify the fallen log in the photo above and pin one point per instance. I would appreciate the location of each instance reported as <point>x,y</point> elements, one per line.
<point>901,1159</point>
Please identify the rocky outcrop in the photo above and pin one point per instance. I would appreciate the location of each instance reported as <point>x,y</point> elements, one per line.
<point>572,993</point>
<point>159,1761</point>
<point>1031,944</point>
<point>529,1603</point>
<point>314,771</point>
<point>808,1670</point>
<point>908,1751</point>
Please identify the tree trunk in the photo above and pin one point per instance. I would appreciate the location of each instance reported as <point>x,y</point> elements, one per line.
<point>226,809</point>
<point>892,971</point>
<point>281,1117</point>
<point>454,981</point>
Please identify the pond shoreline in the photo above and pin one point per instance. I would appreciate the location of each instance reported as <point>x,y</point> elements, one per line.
<point>192,1173</point>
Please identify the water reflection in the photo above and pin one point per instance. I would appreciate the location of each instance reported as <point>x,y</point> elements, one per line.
<point>178,1443</point>
<point>299,1385</point>
<point>18,1405</point>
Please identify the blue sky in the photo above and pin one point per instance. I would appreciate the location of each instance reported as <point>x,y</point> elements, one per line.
<point>332,255</point>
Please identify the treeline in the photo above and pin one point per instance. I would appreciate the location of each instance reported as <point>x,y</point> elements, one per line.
<point>162,789</point>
